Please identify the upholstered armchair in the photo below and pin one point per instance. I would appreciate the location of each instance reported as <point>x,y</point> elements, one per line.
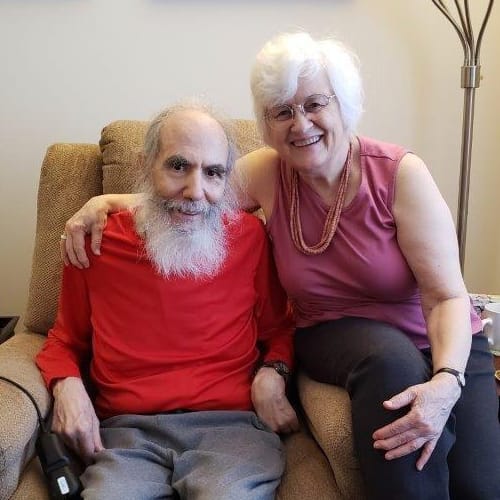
<point>320,458</point>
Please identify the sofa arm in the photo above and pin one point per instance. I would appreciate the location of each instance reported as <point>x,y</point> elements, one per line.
<point>18,420</point>
<point>327,410</point>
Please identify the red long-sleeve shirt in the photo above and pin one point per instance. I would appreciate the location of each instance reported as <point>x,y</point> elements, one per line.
<point>156,344</point>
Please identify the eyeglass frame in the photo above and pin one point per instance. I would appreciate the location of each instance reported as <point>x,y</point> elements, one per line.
<point>292,107</point>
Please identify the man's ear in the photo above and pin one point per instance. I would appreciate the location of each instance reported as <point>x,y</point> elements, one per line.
<point>142,166</point>
<point>142,174</point>
<point>141,160</point>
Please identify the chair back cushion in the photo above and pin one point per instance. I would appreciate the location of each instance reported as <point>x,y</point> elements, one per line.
<point>70,175</point>
<point>121,142</point>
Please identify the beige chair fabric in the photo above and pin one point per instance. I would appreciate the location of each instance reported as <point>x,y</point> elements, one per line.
<point>70,175</point>
<point>120,144</point>
<point>328,413</point>
<point>18,421</point>
<point>320,462</point>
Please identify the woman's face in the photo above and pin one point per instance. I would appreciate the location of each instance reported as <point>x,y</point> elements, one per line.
<point>310,143</point>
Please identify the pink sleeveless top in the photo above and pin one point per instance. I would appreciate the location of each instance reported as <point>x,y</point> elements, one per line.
<point>363,272</point>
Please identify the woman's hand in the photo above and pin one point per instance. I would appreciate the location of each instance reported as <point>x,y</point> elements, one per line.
<point>75,419</point>
<point>431,404</point>
<point>270,401</point>
<point>91,218</point>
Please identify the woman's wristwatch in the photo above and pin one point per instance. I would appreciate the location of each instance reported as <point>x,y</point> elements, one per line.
<point>458,375</point>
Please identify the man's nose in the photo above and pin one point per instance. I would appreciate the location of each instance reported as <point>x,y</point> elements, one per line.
<point>193,189</point>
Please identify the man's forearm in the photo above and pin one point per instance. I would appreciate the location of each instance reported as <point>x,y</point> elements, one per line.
<point>75,418</point>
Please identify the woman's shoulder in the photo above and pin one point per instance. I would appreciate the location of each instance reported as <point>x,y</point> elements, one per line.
<point>256,177</point>
<point>376,148</point>
<point>259,160</point>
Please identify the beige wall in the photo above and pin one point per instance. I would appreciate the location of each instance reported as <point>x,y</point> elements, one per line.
<point>69,67</point>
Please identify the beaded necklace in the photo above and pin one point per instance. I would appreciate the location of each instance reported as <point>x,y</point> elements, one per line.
<point>332,218</point>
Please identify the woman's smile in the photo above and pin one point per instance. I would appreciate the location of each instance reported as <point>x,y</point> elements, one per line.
<point>300,143</point>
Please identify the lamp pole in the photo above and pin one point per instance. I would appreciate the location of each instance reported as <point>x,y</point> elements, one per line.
<point>470,78</point>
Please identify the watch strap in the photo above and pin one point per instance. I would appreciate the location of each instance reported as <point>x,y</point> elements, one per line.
<point>457,374</point>
<point>280,366</point>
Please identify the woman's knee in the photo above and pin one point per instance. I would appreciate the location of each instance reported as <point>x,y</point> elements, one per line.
<point>341,351</point>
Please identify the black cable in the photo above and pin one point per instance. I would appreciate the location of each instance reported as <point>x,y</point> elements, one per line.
<point>43,427</point>
<point>63,482</point>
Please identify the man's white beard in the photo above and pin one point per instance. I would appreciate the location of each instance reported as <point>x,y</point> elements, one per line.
<point>178,249</point>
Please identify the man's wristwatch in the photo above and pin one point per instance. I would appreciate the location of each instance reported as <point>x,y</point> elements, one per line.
<point>280,366</point>
<point>458,375</point>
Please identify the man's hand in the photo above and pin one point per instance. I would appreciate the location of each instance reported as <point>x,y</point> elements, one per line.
<point>91,218</point>
<point>270,401</point>
<point>75,419</point>
<point>431,404</point>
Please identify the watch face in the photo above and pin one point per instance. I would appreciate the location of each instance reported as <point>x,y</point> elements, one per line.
<point>279,366</point>
<point>282,369</point>
<point>458,375</point>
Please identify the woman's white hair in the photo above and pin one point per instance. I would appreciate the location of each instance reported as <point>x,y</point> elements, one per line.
<point>290,56</point>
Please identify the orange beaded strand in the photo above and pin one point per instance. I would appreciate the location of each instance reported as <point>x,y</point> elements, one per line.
<point>332,218</point>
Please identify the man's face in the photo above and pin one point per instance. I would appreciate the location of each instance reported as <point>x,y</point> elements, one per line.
<point>189,173</point>
<point>183,218</point>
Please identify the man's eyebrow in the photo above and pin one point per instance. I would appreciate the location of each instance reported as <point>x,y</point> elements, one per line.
<point>176,161</point>
<point>216,166</point>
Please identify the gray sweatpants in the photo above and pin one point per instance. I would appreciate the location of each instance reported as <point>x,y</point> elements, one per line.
<point>208,455</point>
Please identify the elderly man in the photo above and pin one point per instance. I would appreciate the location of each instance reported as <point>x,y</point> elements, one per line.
<point>170,320</point>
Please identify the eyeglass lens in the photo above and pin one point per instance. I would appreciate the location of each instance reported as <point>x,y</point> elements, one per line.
<point>313,104</point>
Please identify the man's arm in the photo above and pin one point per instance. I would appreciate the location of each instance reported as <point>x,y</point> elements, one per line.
<point>75,419</point>
<point>65,351</point>
<point>68,343</point>
<point>275,327</point>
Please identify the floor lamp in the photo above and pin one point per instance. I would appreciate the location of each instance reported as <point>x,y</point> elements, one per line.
<point>470,81</point>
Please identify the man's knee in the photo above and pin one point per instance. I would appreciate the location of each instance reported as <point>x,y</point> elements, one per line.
<point>119,474</point>
<point>263,488</point>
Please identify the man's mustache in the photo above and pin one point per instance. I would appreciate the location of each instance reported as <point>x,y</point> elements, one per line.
<point>190,207</point>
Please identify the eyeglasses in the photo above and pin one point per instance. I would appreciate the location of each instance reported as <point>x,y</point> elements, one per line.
<point>277,116</point>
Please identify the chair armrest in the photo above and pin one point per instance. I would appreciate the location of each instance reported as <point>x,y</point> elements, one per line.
<point>327,410</point>
<point>308,474</point>
<point>18,420</point>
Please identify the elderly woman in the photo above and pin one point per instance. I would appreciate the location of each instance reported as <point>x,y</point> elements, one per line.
<point>365,247</point>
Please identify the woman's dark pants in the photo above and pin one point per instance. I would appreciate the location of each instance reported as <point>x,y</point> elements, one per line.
<point>374,361</point>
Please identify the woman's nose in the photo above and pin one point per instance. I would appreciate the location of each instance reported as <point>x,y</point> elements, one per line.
<point>300,120</point>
